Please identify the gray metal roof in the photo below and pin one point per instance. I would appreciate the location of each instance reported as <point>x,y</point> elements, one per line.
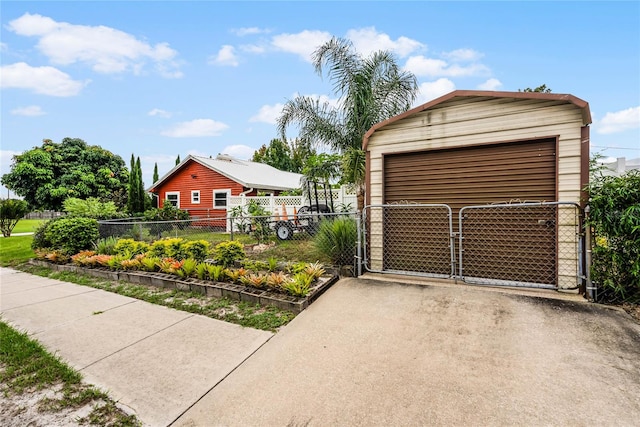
<point>250,174</point>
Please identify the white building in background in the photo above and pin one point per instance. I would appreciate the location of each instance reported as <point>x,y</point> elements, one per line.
<point>620,166</point>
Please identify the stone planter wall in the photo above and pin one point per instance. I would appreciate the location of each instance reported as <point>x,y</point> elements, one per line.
<point>203,287</point>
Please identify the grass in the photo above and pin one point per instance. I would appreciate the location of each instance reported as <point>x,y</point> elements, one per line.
<point>232,311</point>
<point>27,225</point>
<point>15,250</point>
<point>26,366</point>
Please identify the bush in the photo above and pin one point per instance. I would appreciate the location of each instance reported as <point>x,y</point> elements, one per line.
<point>91,208</point>
<point>169,248</point>
<point>337,239</point>
<point>72,235</point>
<point>130,246</point>
<point>197,249</point>
<point>11,211</point>
<point>40,240</point>
<point>615,219</point>
<point>226,253</point>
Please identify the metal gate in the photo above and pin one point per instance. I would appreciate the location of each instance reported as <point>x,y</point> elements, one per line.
<point>414,239</point>
<point>521,244</point>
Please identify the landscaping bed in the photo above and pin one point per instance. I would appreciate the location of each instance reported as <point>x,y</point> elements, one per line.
<point>208,288</point>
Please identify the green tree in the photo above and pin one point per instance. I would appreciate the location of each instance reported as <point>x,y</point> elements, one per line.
<point>541,89</point>
<point>138,199</point>
<point>11,211</point>
<point>132,193</point>
<point>178,160</point>
<point>156,177</point>
<point>45,176</point>
<point>370,90</point>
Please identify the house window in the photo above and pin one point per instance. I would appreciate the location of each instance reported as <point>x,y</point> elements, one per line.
<point>195,196</point>
<point>220,198</point>
<point>173,197</point>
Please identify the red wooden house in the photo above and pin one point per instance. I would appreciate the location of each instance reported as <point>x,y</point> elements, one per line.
<point>202,185</point>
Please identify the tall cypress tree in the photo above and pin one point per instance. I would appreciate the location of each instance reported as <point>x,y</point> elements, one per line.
<point>178,160</point>
<point>154,200</point>
<point>142,195</point>
<point>132,187</point>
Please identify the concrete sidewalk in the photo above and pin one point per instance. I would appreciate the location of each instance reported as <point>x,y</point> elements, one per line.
<point>155,360</point>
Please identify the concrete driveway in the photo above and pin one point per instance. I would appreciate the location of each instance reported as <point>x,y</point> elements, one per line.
<point>372,353</point>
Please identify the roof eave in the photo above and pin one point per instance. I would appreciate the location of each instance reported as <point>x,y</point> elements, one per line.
<point>583,105</point>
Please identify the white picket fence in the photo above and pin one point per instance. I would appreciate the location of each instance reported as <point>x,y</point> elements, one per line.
<point>344,199</point>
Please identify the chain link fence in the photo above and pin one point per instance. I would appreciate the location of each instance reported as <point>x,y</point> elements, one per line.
<point>309,235</point>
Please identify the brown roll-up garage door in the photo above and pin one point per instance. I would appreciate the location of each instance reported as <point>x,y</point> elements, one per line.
<point>479,175</point>
<point>523,171</point>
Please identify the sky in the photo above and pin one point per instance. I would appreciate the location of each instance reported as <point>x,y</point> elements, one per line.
<point>161,79</point>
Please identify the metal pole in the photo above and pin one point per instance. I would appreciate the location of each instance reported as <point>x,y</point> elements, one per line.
<point>359,244</point>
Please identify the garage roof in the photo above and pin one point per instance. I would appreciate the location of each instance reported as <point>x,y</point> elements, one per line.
<point>583,105</point>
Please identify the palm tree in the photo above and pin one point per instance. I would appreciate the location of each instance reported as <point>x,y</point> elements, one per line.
<point>370,90</point>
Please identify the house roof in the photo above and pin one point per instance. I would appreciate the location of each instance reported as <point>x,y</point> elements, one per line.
<point>570,99</point>
<point>259,176</point>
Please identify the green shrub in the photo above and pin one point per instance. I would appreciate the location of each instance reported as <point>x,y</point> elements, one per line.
<point>90,208</point>
<point>169,248</point>
<point>72,235</point>
<point>130,246</point>
<point>106,246</point>
<point>226,253</point>
<point>40,240</point>
<point>11,211</point>
<point>197,249</point>
<point>615,219</point>
<point>337,240</point>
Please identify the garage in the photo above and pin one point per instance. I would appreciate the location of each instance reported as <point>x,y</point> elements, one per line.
<point>477,149</point>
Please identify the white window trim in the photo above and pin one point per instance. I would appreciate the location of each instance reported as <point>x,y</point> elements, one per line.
<point>193,200</point>
<point>172,193</point>
<point>224,190</point>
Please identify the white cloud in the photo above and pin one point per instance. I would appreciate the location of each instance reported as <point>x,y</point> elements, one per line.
<point>430,67</point>
<point>463,55</point>
<point>239,151</point>
<point>4,47</point>
<point>160,113</point>
<point>619,121</point>
<point>253,48</point>
<point>368,40</point>
<point>432,90</point>
<point>241,32</point>
<point>302,44</point>
<point>196,128</point>
<point>225,56</point>
<point>43,80</point>
<point>491,84</point>
<point>104,49</point>
<point>268,114</point>
<point>31,111</point>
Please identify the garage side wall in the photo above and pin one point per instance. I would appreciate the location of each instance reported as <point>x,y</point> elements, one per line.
<point>465,122</point>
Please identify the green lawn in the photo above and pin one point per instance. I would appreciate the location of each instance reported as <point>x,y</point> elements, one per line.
<point>15,250</point>
<point>27,225</point>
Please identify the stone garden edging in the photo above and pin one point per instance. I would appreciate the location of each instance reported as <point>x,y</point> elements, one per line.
<point>204,287</point>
